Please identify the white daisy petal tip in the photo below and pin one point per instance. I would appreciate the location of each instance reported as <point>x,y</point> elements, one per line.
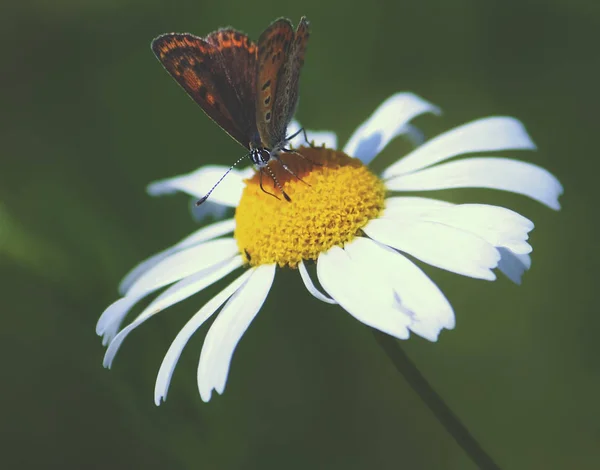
<point>198,183</point>
<point>167,367</point>
<point>186,287</point>
<point>310,286</point>
<point>488,275</point>
<point>438,244</point>
<point>498,226</point>
<point>558,190</point>
<point>345,276</point>
<point>161,187</point>
<point>482,135</point>
<point>416,296</point>
<point>113,347</point>
<point>108,360</point>
<point>504,174</point>
<point>429,323</point>
<point>229,327</point>
<point>389,120</point>
<point>512,265</point>
<point>104,318</point>
<point>206,395</point>
<point>112,317</point>
<point>428,333</point>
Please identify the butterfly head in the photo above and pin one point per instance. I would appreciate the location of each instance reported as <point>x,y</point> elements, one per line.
<point>260,156</point>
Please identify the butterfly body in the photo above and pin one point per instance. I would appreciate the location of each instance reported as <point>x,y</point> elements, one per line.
<point>261,156</point>
<point>248,89</point>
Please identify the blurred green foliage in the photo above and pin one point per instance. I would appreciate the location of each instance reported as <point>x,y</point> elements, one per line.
<point>89,118</point>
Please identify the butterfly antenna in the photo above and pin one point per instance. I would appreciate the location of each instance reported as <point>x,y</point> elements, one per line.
<point>205,197</point>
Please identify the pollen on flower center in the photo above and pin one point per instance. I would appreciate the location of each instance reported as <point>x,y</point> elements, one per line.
<point>332,197</point>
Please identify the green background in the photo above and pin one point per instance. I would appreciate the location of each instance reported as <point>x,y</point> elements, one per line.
<point>89,117</point>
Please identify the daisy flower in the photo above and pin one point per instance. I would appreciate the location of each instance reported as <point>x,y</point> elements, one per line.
<point>363,240</point>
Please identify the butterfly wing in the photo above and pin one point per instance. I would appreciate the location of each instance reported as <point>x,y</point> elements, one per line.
<point>210,71</point>
<point>288,86</point>
<point>273,46</point>
<point>238,59</point>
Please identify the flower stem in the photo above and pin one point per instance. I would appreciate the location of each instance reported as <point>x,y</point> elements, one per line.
<point>435,403</point>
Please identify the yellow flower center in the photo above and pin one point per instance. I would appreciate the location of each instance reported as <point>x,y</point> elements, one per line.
<point>332,197</point>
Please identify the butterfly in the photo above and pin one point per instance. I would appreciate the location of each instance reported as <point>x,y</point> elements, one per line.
<point>250,90</point>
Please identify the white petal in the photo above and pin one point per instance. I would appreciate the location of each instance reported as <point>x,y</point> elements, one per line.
<point>513,266</point>
<point>310,286</point>
<point>199,183</point>
<point>439,245</point>
<point>205,233</point>
<point>228,328</point>
<point>190,286</point>
<point>361,293</point>
<point>484,135</point>
<point>199,281</point>
<point>495,173</point>
<point>496,225</point>
<point>327,139</point>
<point>183,263</point>
<point>419,297</point>
<point>294,127</point>
<point>110,321</point>
<point>525,260</point>
<point>208,209</point>
<point>411,207</point>
<point>413,134</point>
<point>167,367</point>
<point>388,121</point>
<point>316,138</point>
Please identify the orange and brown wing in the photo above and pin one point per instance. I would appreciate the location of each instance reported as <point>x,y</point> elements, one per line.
<point>237,55</point>
<point>199,66</point>
<point>273,46</point>
<point>289,81</point>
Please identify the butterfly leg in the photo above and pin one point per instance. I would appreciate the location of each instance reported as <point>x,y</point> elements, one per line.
<point>297,133</point>
<point>304,157</point>
<point>274,178</point>
<point>288,169</point>
<point>312,143</point>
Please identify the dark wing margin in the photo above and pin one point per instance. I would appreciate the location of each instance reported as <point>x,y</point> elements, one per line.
<point>199,66</point>
<point>273,46</point>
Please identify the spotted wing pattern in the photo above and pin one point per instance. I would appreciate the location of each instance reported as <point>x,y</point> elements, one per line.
<point>238,59</point>
<point>286,98</point>
<point>273,46</point>
<point>218,73</point>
